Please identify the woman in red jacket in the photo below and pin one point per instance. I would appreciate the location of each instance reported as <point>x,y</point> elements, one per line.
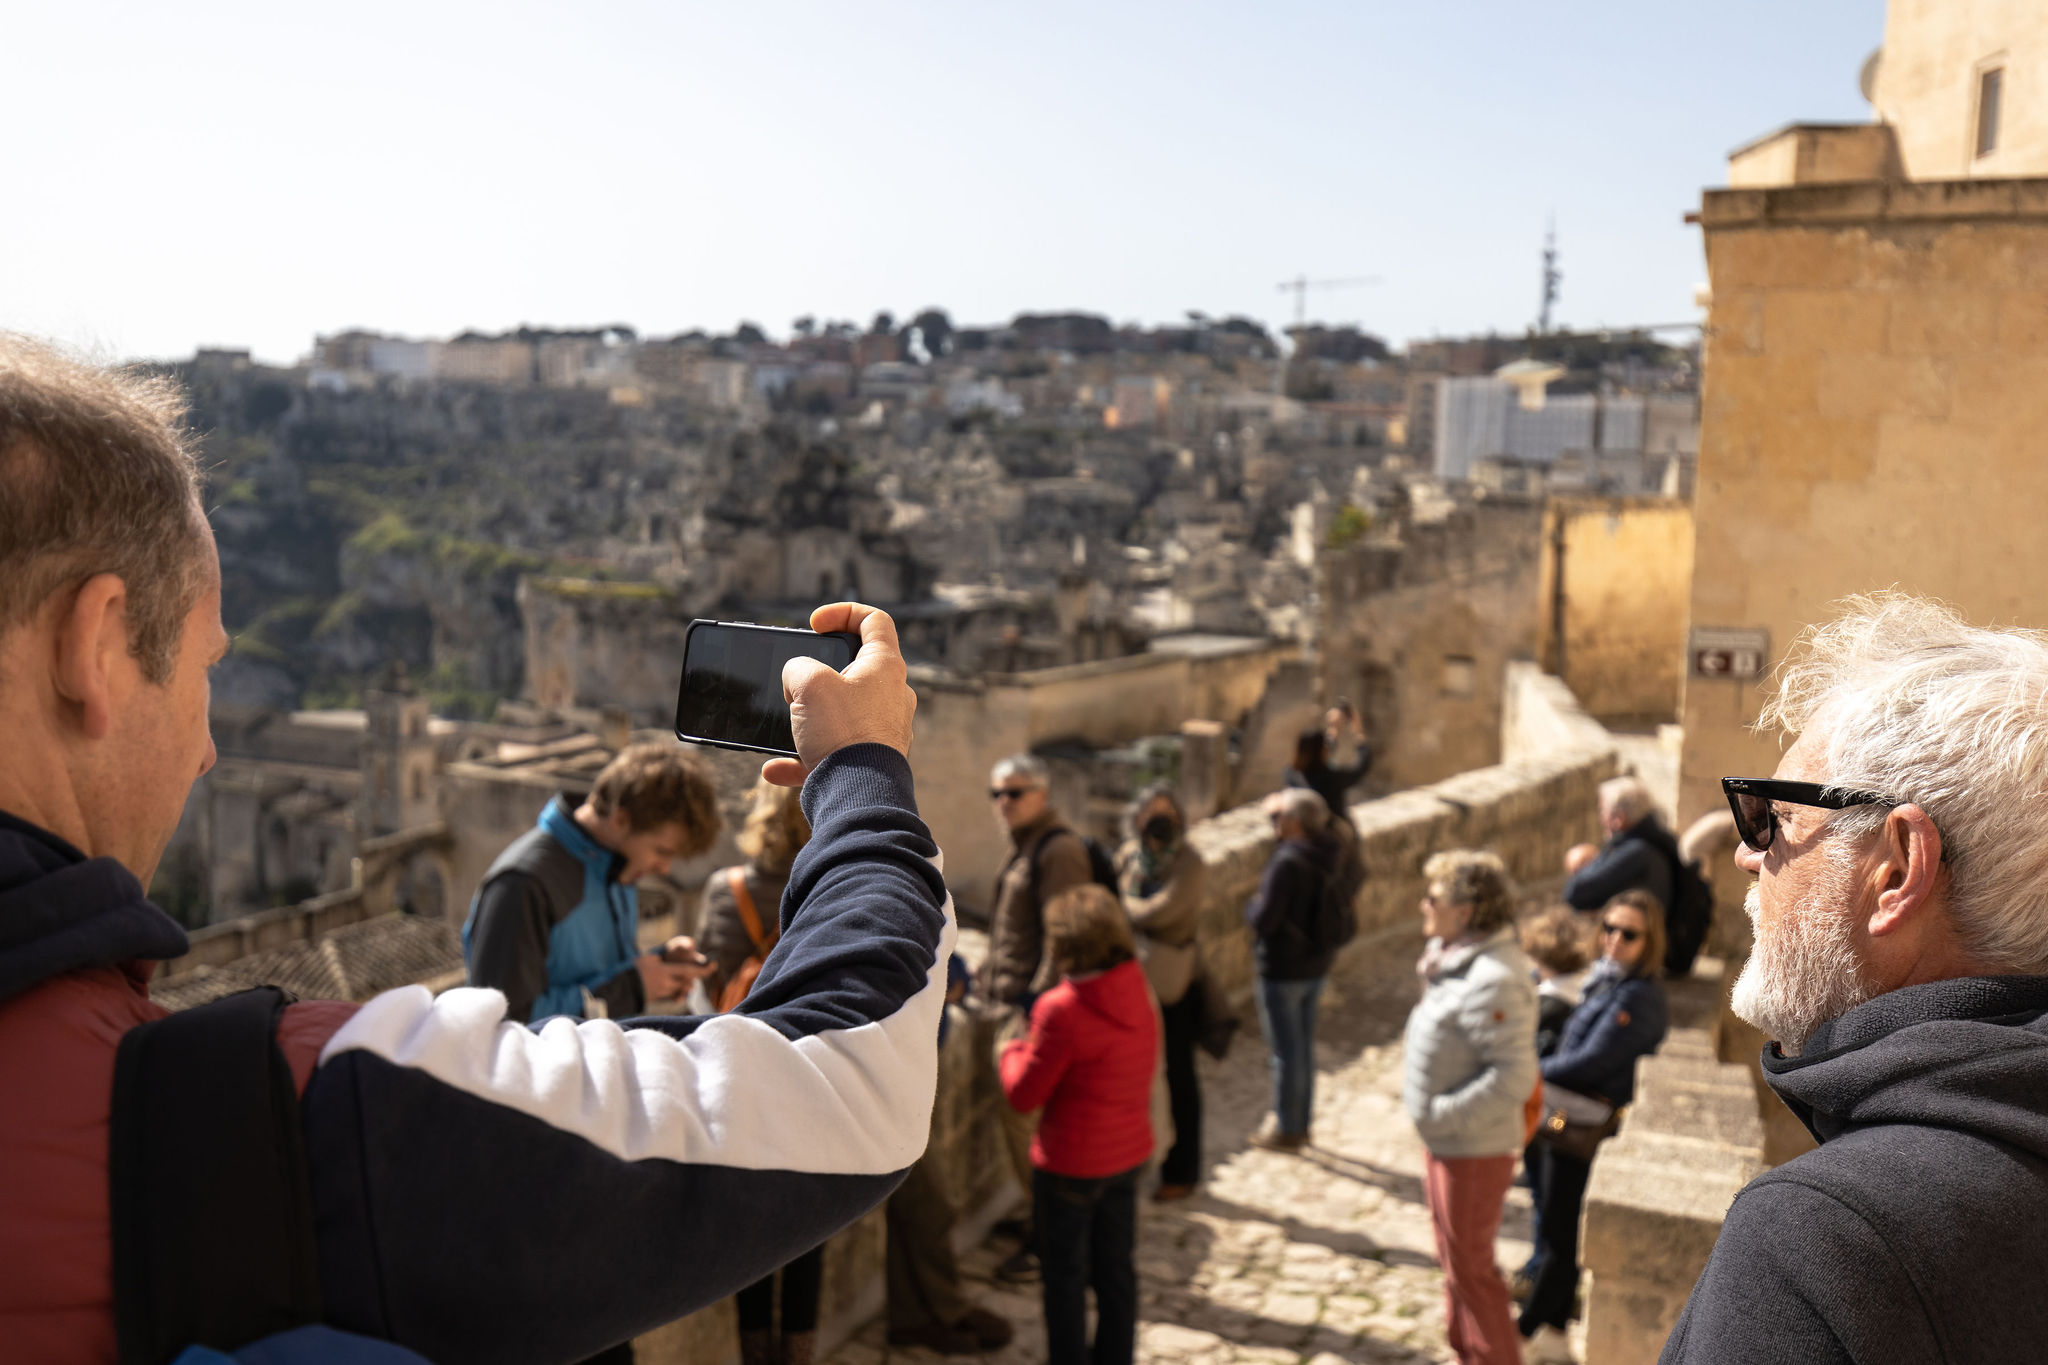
<point>1088,1062</point>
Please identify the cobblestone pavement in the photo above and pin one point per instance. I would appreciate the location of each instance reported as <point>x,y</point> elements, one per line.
<point>1281,1260</point>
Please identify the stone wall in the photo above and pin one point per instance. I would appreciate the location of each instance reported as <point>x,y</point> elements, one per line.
<point>1875,386</point>
<point>1615,584</point>
<point>1416,628</point>
<point>1529,812</point>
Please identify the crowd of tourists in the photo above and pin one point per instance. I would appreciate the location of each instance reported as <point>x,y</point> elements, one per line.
<point>479,1175</point>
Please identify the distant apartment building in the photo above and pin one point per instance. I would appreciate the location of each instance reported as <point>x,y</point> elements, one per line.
<point>1512,416</point>
<point>485,360</point>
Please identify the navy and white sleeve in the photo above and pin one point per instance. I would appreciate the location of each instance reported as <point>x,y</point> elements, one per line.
<point>489,1192</point>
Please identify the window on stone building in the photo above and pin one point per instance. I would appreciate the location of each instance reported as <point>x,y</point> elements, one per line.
<point>1461,677</point>
<point>1990,91</point>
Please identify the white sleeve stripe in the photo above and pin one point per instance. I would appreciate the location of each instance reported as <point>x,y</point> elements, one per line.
<point>735,1092</point>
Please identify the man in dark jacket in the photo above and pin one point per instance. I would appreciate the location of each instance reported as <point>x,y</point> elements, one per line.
<point>1046,858</point>
<point>1639,855</point>
<point>555,924</point>
<point>1292,964</point>
<point>471,1188</point>
<point>1901,938</point>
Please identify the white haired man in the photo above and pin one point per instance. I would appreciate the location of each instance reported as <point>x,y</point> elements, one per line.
<point>1639,855</point>
<point>1901,937</point>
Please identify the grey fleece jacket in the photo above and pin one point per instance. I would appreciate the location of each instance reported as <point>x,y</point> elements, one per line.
<point>1918,1230</point>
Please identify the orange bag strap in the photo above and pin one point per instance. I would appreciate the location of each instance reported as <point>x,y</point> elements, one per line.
<point>743,901</point>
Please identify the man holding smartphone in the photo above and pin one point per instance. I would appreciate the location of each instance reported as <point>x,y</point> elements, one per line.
<point>555,923</point>
<point>414,1169</point>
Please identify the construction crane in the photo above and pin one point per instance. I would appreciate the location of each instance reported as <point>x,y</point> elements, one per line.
<point>1301,284</point>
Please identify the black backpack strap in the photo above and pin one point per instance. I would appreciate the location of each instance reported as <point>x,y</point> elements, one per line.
<point>212,1207</point>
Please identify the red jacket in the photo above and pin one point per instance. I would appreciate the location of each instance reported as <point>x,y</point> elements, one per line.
<point>1089,1063</point>
<point>57,1044</point>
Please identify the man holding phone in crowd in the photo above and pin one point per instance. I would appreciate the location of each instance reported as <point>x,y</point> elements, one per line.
<point>445,1178</point>
<point>555,924</point>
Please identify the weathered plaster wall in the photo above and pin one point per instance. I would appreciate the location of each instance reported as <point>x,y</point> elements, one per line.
<point>1876,386</point>
<point>1615,631</point>
<point>1417,632</point>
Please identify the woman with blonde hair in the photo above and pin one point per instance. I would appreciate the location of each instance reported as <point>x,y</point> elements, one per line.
<point>742,922</point>
<point>1470,1069</point>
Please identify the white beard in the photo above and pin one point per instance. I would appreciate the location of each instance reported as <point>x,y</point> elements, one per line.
<point>1803,971</point>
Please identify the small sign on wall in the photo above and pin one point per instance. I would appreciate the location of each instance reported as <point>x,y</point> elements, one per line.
<point>1724,652</point>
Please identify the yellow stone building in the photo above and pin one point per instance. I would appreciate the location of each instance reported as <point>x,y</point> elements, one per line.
<point>1875,403</point>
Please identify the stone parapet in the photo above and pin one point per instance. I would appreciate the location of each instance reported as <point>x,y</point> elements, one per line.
<point>1659,1192</point>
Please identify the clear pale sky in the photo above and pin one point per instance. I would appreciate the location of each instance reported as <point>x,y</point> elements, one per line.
<point>249,174</point>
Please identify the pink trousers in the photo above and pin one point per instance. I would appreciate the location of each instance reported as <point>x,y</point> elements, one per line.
<point>1465,1197</point>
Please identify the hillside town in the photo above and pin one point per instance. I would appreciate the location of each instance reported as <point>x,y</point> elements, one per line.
<point>1404,695</point>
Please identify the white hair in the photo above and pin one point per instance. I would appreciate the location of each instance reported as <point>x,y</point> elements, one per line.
<point>1030,767</point>
<point>1305,806</point>
<point>1626,797</point>
<point>1915,705</point>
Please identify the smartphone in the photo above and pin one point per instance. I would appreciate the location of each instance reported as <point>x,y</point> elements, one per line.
<point>731,692</point>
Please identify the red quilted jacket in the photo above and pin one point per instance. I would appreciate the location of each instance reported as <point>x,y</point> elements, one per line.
<point>1089,1063</point>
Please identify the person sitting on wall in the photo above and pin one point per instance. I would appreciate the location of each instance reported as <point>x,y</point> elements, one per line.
<point>1622,1018</point>
<point>1162,880</point>
<point>927,1302</point>
<point>1639,855</point>
<point>415,1169</point>
<point>1088,1064</point>
<point>555,924</point>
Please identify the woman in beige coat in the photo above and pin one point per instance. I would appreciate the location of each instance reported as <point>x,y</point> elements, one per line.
<point>1161,879</point>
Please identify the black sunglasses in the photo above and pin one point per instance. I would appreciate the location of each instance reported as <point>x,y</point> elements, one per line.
<point>1756,820</point>
<point>1009,793</point>
<point>1627,935</point>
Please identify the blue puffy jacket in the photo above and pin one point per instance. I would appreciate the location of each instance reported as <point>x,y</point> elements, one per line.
<point>1620,1020</point>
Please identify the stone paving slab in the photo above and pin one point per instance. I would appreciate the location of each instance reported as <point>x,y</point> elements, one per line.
<point>1323,1258</point>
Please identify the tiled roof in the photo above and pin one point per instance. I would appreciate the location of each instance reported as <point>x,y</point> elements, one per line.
<point>351,963</point>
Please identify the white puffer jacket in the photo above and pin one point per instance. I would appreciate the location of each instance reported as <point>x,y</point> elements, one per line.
<point>1471,1050</point>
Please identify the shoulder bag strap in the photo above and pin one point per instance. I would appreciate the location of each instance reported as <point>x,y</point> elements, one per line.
<point>743,901</point>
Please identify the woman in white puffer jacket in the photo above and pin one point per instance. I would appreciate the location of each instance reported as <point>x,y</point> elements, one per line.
<point>1470,1070</point>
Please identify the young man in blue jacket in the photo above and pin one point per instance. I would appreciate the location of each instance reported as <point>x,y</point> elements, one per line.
<point>555,923</point>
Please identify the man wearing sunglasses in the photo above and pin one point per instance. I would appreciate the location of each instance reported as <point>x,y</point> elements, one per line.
<point>1046,858</point>
<point>1901,915</point>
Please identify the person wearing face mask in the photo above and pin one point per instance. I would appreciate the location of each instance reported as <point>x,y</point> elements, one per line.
<point>1162,880</point>
<point>1621,1017</point>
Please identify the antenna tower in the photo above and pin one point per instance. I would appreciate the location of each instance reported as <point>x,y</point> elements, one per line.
<point>1551,277</point>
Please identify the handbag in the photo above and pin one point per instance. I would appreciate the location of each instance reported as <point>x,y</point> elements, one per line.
<point>1575,1124</point>
<point>1216,1022</point>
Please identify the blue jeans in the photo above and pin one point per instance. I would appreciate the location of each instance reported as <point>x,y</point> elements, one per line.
<point>1287,1011</point>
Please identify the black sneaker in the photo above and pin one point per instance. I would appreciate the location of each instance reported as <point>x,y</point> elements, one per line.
<point>1020,1268</point>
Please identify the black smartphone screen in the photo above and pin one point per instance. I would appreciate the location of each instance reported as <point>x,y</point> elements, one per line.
<point>731,692</point>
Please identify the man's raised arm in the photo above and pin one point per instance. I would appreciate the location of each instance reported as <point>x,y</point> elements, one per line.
<point>488,1192</point>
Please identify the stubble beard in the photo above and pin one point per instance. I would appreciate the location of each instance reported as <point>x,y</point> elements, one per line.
<point>1803,970</point>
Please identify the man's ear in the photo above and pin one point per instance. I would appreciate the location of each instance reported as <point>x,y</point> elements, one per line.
<point>92,647</point>
<point>1907,868</point>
